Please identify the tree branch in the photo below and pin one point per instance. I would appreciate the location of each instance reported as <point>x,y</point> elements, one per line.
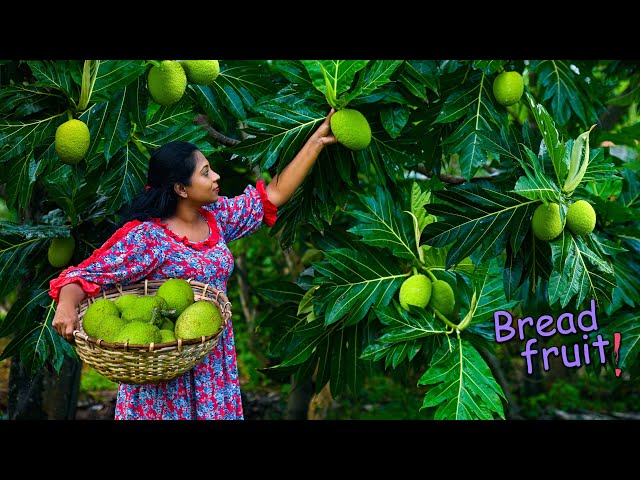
<point>205,124</point>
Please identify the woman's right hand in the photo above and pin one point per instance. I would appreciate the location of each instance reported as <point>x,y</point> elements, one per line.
<point>66,320</point>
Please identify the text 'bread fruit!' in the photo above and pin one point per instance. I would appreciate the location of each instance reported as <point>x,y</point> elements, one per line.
<point>178,295</point>
<point>545,223</point>
<point>415,290</point>
<point>442,297</point>
<point>167,82</point>
<point>581,218</point>
<point>508,87</point>
<point>202,318</point>
<point>72,141</point>
<point>201,72</point>
<point>351,129</point>
<point>60,251</point>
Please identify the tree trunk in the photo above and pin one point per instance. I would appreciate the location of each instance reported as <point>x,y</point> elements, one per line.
<point>299,398</point>
<point>46,396</point>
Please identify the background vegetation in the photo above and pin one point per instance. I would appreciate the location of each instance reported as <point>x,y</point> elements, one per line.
<point>448,184</point>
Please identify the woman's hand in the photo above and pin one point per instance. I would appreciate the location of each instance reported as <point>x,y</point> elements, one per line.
<point>323,134</point>
<point>284,184</point>
<point>66,320</point>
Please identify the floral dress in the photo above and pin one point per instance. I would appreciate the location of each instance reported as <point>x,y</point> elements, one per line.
<point>149,249</point>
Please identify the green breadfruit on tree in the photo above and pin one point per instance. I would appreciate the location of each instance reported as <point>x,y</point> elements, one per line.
<point>60,251</point>
<point>508,88</point>
<point>351,128</point>
<point>201,318</point>
<point>415,290</point>
<point>72,140</point>
<point>581,218</point>
<point>201,72</point>
<point>167,82</point>
<point>442,297</point>
<point>178,295</point>
<point>546,223</point>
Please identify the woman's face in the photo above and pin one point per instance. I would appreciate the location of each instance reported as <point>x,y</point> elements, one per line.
<point>204,182</point>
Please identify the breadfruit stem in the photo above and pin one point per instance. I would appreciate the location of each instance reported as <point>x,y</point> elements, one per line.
<point>430,274</point>
<point>447,322</point>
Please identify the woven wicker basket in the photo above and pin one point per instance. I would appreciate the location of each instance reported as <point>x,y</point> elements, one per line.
<point>151,363</point>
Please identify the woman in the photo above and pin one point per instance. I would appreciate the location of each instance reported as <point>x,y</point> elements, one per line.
<point>179,228</point>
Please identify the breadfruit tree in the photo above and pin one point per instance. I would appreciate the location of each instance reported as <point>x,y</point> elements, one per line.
<point>437,178</point>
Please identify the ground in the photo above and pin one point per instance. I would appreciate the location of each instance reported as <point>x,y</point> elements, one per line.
<point>257,405</point>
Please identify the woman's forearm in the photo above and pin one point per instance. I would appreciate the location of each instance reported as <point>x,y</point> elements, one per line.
<point>284,185</point>
<point>71,294</point>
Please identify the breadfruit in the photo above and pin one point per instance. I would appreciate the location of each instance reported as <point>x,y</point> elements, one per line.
<point>167,83</point>
<point>105,327</point>
<point>508,87</point>
<point>415,290</point>
<point>167,336</point>
<point>60,251</point>
<point>72,141</point>
<point>167,324</point>
<point>201,72</point>
<point>442,297</point>
<point>96,312</point>
<point>6,213</point>
<point>143,309</point>
<point>198,319</point>
<point>139,333</point>
<point>545,223</point>
<point>581,218</point>
<point>351,129</point>
<point>178,294</point>
<point>124,300</point>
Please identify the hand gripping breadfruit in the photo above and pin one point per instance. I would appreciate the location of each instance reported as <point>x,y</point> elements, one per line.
<point>72,141</point>
<point>351,129</point>
<point>581,218</point>
<point>60,251</point>
<point>167,82</point>
<point>508,87</point>
<point>442,297</point>
<point>198,319</point>
<point>545,223</point>
<point>415,290</point>
<point>201,72</point>
<point>178,294</point>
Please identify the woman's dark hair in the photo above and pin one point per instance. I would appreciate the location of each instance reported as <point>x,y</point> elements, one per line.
<point>173,162</point>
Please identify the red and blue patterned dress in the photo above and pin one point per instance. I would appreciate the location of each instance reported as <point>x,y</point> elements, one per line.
<point>149,249</point>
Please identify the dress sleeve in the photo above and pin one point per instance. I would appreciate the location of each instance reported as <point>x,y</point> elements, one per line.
<point>128,256</point>
<point>245,213</point>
